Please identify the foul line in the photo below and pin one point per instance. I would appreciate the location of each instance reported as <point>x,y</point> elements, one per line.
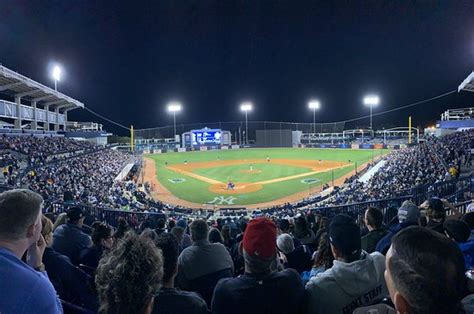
<point>296,176</point>
<point>195,176</point>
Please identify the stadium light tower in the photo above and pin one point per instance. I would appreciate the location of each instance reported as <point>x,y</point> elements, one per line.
<point>314,105</point>
<point>246,107</point>
<point>174,107</point>
<point>371,101</point>
<point>56,75</point>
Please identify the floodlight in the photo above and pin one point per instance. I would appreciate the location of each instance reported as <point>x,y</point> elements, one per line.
<point>56,73</point>
<point>246,106</point>
<point>371,100</point>
<point>174,106</point>
<point>313,104</point>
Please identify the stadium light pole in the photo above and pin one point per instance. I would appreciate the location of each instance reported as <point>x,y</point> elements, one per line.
<point>56,75</point>
<point>314,105</point>
<point>371,101</point>
<point>246,107</point>
<point>174,107</point>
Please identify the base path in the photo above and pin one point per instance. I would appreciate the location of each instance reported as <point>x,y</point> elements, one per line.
<point>160,193</point>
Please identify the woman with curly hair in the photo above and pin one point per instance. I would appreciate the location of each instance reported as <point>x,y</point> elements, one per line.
<point>129,276</point>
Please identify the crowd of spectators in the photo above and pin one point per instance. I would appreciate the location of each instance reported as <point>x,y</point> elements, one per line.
<point>88,179</point>
<point>418,262</point>
<point>39,150</point>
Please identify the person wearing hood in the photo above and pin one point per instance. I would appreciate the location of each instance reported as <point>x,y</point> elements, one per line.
<point>408,215</point>
<point>459,232</point>
<point>356,278</point>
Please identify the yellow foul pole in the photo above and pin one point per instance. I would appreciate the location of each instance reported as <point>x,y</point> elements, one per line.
<point>132,146</point>
<point>409,129</point>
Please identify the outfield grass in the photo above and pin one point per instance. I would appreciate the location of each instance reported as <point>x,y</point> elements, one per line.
<point>196,191</point>
<point>236,173</point>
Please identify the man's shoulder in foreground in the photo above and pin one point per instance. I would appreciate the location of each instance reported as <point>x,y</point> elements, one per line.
<point>25,290</point>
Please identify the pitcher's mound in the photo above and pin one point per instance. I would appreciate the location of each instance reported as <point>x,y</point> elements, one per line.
<point>251,171</point>
<point>240,188</point>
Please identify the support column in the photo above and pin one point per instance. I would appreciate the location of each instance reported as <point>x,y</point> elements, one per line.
<point>46,123</point>
<point>18,113</point>
<point>56,123</point>
<point>34,123</point>
<point>65,119</point>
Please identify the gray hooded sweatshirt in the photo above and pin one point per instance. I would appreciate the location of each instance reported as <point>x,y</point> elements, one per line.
<point>347,286</point>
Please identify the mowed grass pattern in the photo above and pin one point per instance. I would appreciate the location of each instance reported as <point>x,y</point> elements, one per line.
<point>237,173</point>
<point>196,191</point>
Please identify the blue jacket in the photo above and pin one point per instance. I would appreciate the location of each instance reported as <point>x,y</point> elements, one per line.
<point>23,289</point>
<point>467,250</point>
<point>71,283</point>
<point>384,244</point>
<point>69,240</point>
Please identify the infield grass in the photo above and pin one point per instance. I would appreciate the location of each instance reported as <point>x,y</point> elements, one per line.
<point>197,191</point>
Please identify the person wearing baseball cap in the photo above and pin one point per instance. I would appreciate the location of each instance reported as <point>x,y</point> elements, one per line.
<point>68,239</point>
<point>356,278</point>
<point>408,215</point>
<point>259,289</point>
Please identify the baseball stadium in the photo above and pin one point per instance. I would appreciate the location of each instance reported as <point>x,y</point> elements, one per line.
<point>236,158</point>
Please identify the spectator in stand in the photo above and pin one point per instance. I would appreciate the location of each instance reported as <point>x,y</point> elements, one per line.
<point>169,299</point>
<point>425,273</point>
<point>259,290</point>
<point>25,287</point>
<point>304,234</point>
<point>227,237</point>
<point>61,220</point>
<point>160,226</point>
<point>297,258</point>
<point>459,232</point>
<point>469,219</point>
<point>129,276</point>
<point>122,228</point>
<point>408,215</point>
<point>201,265</point>
<point>356,278</point>
<point>69,239</point>
<point>215,236</point>
<point>373,220</point>
<point>323,259</point>
<point>186,237</point>
<point>436,215</point>
<point>71,283</point>
<point>103,240</point>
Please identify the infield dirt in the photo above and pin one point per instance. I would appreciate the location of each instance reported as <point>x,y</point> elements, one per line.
<point>161,193</point>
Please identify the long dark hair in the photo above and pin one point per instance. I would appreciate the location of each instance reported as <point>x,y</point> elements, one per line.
<point>324,256</point>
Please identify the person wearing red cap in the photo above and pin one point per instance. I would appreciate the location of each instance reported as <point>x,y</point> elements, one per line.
<point>260,290</point>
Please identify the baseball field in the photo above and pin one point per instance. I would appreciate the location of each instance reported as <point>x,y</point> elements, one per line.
<point>250,177</point>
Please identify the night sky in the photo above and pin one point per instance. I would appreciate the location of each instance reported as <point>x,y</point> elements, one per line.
<point>127,59</point>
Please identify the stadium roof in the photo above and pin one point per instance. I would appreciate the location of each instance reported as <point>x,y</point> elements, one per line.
<point>17,85</point>
<point>467,84</point>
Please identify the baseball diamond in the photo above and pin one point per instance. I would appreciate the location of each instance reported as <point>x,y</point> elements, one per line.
<point>257,180</point>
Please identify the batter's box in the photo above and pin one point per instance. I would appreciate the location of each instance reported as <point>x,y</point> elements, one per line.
<point>310,181</point>
<point>177,180</point>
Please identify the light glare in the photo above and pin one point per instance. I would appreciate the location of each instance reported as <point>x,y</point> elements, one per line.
<point>371,100</point>
<point>56,73</point>
<point>246,106</point>
<point>313,104</point>
<point>174,106</point>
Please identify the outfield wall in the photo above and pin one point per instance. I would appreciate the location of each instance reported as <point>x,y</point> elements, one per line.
<point>152,150</point>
